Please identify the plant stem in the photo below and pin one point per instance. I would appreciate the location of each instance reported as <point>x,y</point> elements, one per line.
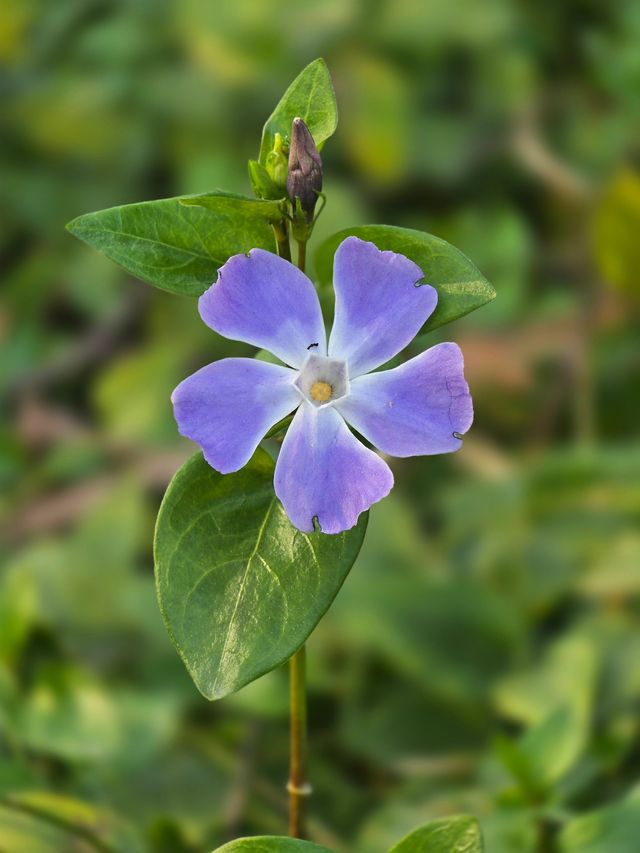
<point>302,254</point>
<point>281,231</point>
<point>298,786</point>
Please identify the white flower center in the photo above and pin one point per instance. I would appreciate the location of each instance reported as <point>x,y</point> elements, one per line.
<point>322,380</point>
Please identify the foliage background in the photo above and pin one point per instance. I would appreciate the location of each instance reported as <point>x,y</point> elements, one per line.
<point>484,654</point>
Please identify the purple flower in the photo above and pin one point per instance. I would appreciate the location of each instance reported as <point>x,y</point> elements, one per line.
<point>323,471</point>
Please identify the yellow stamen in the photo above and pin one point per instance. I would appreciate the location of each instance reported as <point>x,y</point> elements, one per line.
<point>321,391</point>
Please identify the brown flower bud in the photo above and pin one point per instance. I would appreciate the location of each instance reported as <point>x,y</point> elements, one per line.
<point>304,180</point>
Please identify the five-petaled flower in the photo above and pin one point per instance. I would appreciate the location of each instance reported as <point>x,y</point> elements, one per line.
<point>323,471</point>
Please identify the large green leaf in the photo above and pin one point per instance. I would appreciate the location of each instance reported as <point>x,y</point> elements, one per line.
<point>460,834</point>
<point>310,97</point>
<point>461,286</point>
<point>271,844</point>
<point>179,244</point>
<point>239,587</point>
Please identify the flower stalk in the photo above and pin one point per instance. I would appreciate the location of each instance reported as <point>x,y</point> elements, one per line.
<point>298,786</point>
<point>281,231</point>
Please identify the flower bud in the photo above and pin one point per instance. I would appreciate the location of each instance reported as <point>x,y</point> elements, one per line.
<point>276,163</point>
<point>304,180</point>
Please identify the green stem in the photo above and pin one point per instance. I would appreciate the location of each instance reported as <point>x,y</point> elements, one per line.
<point>302,254</point>
<point>281,231</point>
<point>298,786</point>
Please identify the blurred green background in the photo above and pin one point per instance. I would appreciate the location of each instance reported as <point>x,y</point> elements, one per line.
<point>484,654</point>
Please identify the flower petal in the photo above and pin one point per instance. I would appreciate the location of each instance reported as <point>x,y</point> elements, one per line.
<point>228,406</point>
<point>323,471</point>
<point>379,309</point>
<point>415,409</point>
<point>263,300</point>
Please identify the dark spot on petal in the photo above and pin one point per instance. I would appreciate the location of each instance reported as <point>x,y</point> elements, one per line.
<point>457,435</point>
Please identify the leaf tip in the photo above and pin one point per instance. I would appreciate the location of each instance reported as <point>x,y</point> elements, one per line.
<point>72,226</point>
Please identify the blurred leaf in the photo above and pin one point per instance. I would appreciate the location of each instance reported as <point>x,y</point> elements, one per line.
<point>547,751</point>
<point>18,610</point>
<point>376,117</point>
<point>311,98</point>
<point>554,745</point>
<point>179,782</point>
<point>449,637</point>
<point>270,844</point>
<point>70,716</point>
<point>510,830</point>
<point>498,239</point>
<point>20,831</point>
<point>133,393</point>
<point>265,697</point>
<point>389,720</point>
<point>446,835</point>
<point>461,286</point>
<point>613,829</point>
<point>84,584</point>
<point>615,231</point>
<point>566,676</point>
<point>616,573</point>
<point>239,587</point>
<point>68,114</point>
<point>179,244</point>
<point>44,822</point>
<point>411,25</point>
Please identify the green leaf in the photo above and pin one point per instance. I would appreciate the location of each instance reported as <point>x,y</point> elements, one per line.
<point>461,286</point>
<point>240,588</point>
<point>460,834</point>
<point>179,244</point>
<point>271,844</point>
<point>310,97</point>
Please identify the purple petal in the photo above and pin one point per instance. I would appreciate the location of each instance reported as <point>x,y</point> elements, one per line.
<point>379,309</point>
<point>415,409</point>
<point>323,471</point>
<point>264,300</point>
<point>228,406</point>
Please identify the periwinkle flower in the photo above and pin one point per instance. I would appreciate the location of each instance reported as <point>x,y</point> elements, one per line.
<point>323,471</point>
